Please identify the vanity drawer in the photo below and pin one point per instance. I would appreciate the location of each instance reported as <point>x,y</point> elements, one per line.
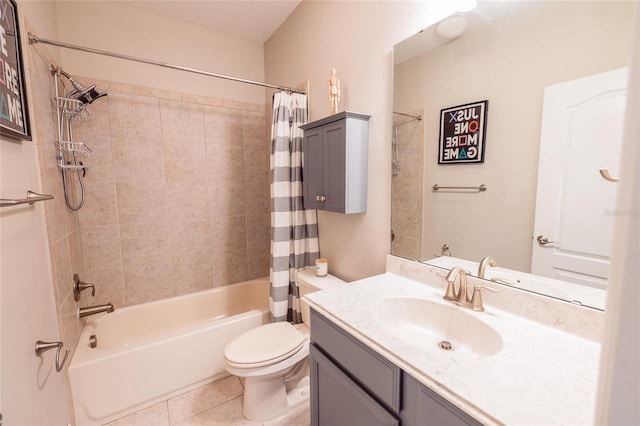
<point>375,373</point>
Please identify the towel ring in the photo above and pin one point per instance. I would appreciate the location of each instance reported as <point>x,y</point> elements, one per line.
<point>42,347</point>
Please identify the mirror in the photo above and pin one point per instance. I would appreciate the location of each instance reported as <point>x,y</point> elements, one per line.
<point>505,53</point>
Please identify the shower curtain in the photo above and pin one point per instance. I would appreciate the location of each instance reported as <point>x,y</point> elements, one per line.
<point>294,230</point>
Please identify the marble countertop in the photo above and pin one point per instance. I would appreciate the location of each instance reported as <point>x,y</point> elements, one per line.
<point>542,375</point>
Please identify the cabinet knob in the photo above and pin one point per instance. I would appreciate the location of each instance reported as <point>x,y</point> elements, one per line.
<point>320,198</point>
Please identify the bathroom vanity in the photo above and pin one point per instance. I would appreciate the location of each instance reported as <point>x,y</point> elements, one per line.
<point>353,384</point>
<point>378,357</point>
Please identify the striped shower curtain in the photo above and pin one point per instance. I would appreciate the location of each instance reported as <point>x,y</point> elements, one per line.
<point>294,230</point>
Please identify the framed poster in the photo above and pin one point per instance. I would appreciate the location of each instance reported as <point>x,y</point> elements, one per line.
<point>462,133</point>
<point>14,117</point>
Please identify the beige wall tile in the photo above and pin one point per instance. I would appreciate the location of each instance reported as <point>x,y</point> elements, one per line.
<point>75,252</point>
<point>144,243</point>
<point>100,164</point>
<point>184,162</point>
<point>190,274</point>
<point>229,267</point>
<point>69,325</point>
<point>61,265</point>
<point>258,230</point>
<point>97,122</point>
<point>225,162</point>
<point>134,116</point>
<point>186,201</point>
<point>109,284</point>
<point>136,159</point>
<point>182,121</point>
<point>170,172</point>
<point>228,233</point>
<point>257,196</point>
<point>55,210</point>
<point>190,239</point>
<point>101,247</point>
<point>256,163</point>
<point>226,198</point>
<point>254,129</point>
<point>258,262</point>
<point>148,282</point>
<point>141,202</point>
<point>99,206</point>
<point>223,125</point>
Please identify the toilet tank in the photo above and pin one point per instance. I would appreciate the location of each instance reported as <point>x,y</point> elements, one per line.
<point>308,282</point>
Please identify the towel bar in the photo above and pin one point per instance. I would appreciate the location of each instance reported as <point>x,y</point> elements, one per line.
<point>479,188</point>
<point>32,197</point>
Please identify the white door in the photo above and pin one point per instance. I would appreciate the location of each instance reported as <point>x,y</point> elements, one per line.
<point>582,125</point>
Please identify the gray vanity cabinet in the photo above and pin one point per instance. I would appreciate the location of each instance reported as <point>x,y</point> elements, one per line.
<point>335,163</point>
<point>353,385</point>
<point>338,400</point>
<point>421,406</point>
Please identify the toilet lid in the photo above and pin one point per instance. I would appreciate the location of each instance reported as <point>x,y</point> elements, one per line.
<point>264,345</point>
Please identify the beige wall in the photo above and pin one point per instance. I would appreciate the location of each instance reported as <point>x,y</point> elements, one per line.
<point>130,31</point>
<point>481,65</point>
<point>357,39</point>
<point>32,257</point>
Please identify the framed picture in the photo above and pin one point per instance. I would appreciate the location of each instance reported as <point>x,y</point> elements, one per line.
<point>462,133</point>
<point>14,114</point>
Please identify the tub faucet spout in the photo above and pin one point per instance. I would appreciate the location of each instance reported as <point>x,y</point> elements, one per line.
<point>92,310</point>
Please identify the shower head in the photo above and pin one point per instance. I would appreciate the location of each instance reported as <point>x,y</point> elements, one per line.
<point>86,95</point>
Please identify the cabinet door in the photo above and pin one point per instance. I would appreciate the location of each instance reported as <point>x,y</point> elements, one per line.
<point>312,171</point>
<point>337,400</point>
<point>333,158</point>
<point>423,407</point>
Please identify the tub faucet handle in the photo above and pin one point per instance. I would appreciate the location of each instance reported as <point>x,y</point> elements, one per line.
<point>79,286</point>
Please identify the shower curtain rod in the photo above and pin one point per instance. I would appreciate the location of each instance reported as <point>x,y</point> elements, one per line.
<point>415,117</point>
<point>34,39</point>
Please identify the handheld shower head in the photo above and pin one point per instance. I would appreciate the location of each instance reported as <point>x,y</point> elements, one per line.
<point>86,95</point>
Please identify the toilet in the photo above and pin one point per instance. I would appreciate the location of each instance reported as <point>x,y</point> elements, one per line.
<point>273,358</point>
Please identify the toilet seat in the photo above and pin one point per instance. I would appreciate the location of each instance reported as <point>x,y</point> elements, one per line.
<point>264,345</point>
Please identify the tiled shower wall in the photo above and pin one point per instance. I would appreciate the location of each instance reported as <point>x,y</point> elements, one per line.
<point>63,229</point>
<point>177,193</point>
<point>407,197</point>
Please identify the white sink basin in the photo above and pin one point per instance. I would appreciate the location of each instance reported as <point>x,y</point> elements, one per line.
<point>427,324</point>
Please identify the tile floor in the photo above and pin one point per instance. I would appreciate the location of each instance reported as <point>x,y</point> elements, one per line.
<point>219,403</point>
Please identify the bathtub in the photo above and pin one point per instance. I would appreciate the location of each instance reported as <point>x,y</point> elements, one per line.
<point>154,351</point>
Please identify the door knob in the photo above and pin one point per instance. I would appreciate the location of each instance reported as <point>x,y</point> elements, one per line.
<point>543,241</point>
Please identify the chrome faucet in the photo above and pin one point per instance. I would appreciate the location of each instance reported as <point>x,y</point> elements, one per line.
<point>92,310</point>
<point>483,265</point>
<point>461,297</point>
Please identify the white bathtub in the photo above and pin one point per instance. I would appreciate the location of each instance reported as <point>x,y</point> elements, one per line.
<point>150,352</point>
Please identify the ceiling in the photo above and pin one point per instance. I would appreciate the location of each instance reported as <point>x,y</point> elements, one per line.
<point>253,20</point>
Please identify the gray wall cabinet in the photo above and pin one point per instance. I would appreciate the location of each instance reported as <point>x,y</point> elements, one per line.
<point>335,163</point>
<point>353,385</point>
